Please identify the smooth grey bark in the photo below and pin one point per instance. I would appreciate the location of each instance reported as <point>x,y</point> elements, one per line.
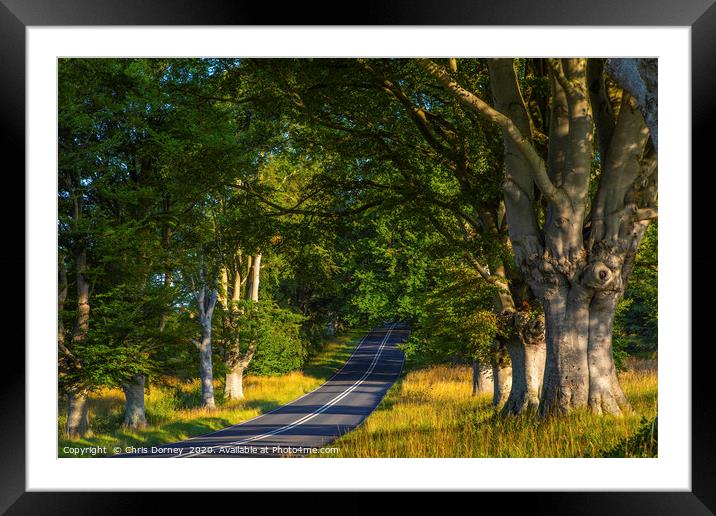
<point>235,377</point>
<point>527,350</point>
<point>566,377</point>
<point>235,383</point>
<point>77,416</point>
<point>501,375</point>
<point>640,78</point>
<point>528,363</point>
<point>206,370</point>
<point>134,415</point>
<point>535,360</point>
<point>563,270</point>
<point>206,301</point>
<point>605,393</point>
<point>481,379</point>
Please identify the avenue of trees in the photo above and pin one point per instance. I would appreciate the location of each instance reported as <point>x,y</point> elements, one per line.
<point>219,216</point>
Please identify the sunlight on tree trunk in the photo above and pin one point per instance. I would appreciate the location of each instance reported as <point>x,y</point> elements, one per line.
<point>501,375</point>
<point>482,382</point>
<point>134,416</point>
<point>206,301</point>
<point>77,416</point>
<point>235,383</point>
<point>578,282</point>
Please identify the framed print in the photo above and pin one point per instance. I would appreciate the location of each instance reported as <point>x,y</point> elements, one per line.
<point>412,250</point>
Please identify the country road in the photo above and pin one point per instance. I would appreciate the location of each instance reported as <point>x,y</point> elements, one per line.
<point>313,420</point>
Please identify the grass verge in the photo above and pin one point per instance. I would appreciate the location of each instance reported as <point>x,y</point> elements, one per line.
<point>430,412</point>
<point>173,410</point>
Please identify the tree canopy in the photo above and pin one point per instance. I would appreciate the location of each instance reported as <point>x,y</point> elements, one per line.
<point>222,215</point>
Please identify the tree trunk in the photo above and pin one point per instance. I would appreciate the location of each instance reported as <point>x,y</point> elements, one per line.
<point>77,416</point>
<point>255,277</point>
<point>475,377</point>
<point>249,276</point>
<point>566,377</point>
<point>481,379</point>
<point>528,363</point>
<point>134,416</point>
<point>527,349</point>
<point>236,361</point>
<point>235,377</point>
<point>639,78</point>
<point>235,383</point>
<point>485,382</point>
<point>578,282</point>
<point>605,393</point>
<point>61,298</point>
<point>206,370</point>
<point>501,375</point>
<point>206,301</point>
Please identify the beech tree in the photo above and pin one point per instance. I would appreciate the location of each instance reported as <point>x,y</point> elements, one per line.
<point>576,241</point>
<point>239,273</point>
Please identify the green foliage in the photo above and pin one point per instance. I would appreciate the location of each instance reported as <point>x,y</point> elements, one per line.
<point>636,320</point>
<point>277,331</point>
<point>458,319</point>
<point>122,338</point>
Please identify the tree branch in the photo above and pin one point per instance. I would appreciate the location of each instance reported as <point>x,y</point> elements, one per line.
<point>282,210</point>
<point>417,114</point>
<point>469,99</point>
<point>555,65</point>
<point>639,77</point>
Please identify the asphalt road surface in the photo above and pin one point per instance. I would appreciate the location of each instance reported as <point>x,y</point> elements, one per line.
<point>313,420</point>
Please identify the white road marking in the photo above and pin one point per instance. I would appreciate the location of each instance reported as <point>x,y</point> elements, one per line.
<point>313,414</point>
<point>355,351</point>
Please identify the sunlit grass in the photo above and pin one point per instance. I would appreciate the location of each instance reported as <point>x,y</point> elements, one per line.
<point>431,413</point>
<point>174,413</point>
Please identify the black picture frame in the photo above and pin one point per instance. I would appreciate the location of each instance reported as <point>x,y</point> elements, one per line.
<point>700,15</point>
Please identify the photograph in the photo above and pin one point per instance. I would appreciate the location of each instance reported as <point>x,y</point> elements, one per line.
<point>357,257</point>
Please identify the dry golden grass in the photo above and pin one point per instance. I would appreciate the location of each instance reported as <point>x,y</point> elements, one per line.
<point>428,413</point>
<point>431,413</point>
<point>174,412</point>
